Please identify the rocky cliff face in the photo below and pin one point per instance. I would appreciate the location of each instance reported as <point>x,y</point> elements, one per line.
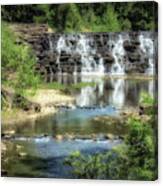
<point>91,53</point>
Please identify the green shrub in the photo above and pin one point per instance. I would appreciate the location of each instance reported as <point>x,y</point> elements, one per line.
<point>18,63</point>
<point>145,99</point>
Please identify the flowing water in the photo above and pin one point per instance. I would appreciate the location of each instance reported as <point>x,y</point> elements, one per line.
<point>87,53</point>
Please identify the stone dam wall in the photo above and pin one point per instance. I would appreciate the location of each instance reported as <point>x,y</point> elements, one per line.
<point>87,53</point>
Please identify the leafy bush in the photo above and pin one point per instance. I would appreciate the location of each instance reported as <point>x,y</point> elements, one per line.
<point>18,63</point>
<point>90,166</point>
<point>141,150</point>
<point>145,99</point>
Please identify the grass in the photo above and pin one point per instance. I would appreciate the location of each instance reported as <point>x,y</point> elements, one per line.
<point>53,85</point>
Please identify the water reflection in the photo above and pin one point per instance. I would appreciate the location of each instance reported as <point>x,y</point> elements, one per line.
<point>103,98</point>
<point>116,92</point>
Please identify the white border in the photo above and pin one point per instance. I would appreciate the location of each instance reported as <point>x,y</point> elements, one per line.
<point>61,182</point>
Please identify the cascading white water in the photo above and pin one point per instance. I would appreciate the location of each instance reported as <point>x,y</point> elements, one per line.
<point>89,65</point>
<point>91,60</point>
<point>83,48</point>
<point>118,54</point>
<point>147,47</point>
<point>60,46</point>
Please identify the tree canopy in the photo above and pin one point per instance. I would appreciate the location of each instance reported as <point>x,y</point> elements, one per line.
<point>93,17</point>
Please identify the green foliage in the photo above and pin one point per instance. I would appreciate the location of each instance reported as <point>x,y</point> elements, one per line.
<point>17,63</point>
<point>141,149</point>
<point>145,99</point>
<point>110,21</point>
<point>45,15</point>
<point>93,17</point>
<point>53,85</point>
<point>20,13</point>
<point>135,159</point>
<point>73,20</point>
<point>90,166</point>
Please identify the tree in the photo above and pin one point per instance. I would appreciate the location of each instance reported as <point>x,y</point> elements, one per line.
<point>73,19</point>
<point>110,20</point>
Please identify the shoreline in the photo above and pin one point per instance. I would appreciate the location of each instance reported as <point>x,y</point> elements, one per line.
<point>134,76</point>
<point>46,98</point>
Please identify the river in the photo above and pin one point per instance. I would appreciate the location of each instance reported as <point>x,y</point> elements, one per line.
<point>39,148</point>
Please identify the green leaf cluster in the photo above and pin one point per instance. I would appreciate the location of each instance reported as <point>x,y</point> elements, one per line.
<point>18,62</point>
<point>87,17</point>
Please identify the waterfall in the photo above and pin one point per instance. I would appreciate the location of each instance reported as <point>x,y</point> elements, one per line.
<point>147,47</point>
<point>118,54</point>
<point>92,54</point>
<point>89,65</point>
<point>82,48</point>
<point>61,45</point>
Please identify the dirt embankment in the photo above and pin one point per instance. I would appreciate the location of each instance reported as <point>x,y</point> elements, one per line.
<point>48,102</point>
